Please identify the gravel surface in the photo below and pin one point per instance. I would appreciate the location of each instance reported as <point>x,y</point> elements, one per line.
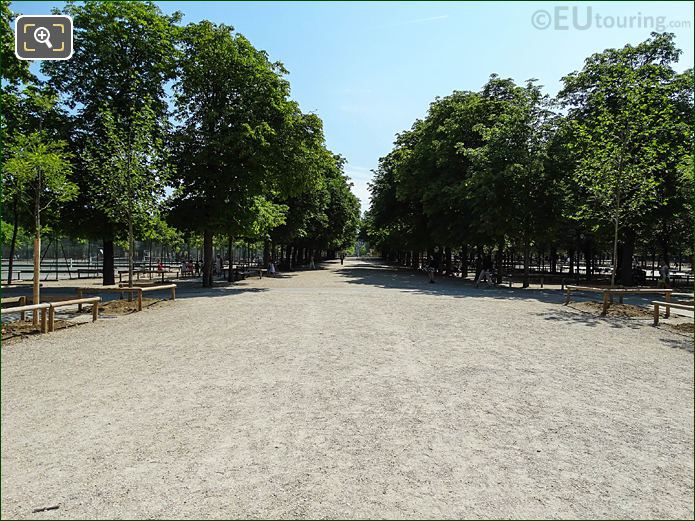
<point>350,392</point>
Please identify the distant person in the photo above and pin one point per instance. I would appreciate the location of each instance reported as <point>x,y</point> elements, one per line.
<point>271,268</point>
<point>197,267</point>
<point>665,274</point>
<point>430,268</point>
<point>342,257</point>
<point>312,265</point>
<point>485,274</point>
<point>160,265</point>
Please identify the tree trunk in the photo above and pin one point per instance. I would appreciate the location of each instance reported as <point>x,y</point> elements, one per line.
<point>553,259</point>
<point>498,267</point>
<point>107,275</point>
<point>37,249</point>
<point>266,253</point>
<point>527,273</point>
<point>616,226</point>
<point>230,257</point>
<point>13,243</point>
<point>464,261</point>
<point>131,248</point>
<point>588,259</point>
<point>207,259</point>
<point>627,251</point>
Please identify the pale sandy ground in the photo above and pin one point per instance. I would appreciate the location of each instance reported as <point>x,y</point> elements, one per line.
<point>350,392</point>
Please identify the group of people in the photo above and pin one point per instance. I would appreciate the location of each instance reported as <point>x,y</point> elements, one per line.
<point>189,268</point>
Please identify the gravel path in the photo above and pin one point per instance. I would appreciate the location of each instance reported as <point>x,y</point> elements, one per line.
<point>352,391</point>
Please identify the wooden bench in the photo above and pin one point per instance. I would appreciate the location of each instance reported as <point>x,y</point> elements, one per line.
<point>43,307</point>
<point>80,271</point>
<point>251,271</point>
<point>668,306</point>
<point>138,290</point>
<point>620,292</point>
<point>89,300</point>
<point>137,273</point>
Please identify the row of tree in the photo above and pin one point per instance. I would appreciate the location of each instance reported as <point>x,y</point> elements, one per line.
<point>606,166</point>
<point>152,126</point>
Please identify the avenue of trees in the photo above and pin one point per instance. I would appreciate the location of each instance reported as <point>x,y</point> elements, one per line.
<point>154,129</point>
<point>507,174</point>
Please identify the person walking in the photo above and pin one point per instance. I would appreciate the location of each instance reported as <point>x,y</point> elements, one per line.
<point>665,275</point>
<point>486,273</point>
<point>430,268</point>
<point>219,265</point>
<point>342,257</point>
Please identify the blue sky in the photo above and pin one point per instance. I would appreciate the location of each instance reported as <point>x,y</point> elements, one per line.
<point>369,69</point>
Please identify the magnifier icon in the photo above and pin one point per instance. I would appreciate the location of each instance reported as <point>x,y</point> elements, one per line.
<point>42,35</point>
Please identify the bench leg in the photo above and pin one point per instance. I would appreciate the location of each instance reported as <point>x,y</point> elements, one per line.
<point>51,319</point>
<point>656,314</point>
<point>606,303</point>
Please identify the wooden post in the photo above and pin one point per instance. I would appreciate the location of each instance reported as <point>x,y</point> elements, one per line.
<point>23,302</point>
<point>568,291</point>
<point>173,293</point>
<point>95,311</point>
<point>139,299</point>
<point>667,298</point>
<point>656,314</point>
<point>79,295</point>
<point>44,326</point>
<point>606,297</point>
<point>51,319</point>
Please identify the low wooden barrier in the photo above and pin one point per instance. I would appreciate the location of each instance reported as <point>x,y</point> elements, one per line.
<point>89,300</point>
<point>668,306</point>
<point>22,301</point>
<point>138,290</point>
<point>620,292</point>
<point>42,307</point>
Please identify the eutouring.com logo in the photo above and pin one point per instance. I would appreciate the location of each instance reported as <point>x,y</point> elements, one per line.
<point>582,18</point>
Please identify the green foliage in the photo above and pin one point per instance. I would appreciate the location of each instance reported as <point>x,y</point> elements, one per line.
<point>128,168</point>
<point>500,168</point>
<point>40,167</point>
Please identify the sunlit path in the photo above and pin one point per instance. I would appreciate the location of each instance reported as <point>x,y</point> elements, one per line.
<point>344,392</point>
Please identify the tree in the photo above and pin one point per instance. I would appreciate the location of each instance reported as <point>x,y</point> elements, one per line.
<point>629,135</point>
<point>129,170</point>
<point>41,167</point>
<point>125,53</point>
<point>239,135</point>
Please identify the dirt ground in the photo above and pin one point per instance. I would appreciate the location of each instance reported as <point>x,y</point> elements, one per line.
<point>350,392</point>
